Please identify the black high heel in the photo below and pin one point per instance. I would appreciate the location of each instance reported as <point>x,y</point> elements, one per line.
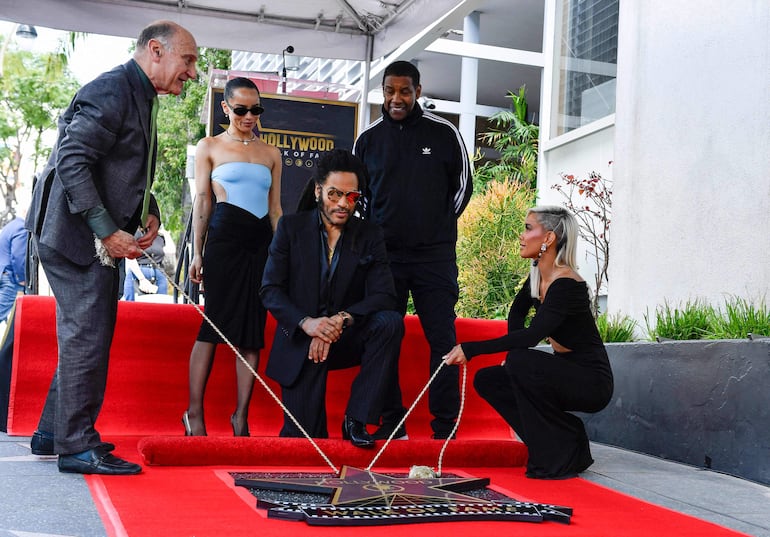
<point>188,428</point>
<point>236,432</point>
<point>186,423</point>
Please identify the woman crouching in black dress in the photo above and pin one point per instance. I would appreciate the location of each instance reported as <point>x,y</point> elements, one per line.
<point>535,391</point>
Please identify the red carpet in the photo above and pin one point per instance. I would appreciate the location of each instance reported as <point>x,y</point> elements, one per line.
<point>273,451</point>
<point>202,501</point>
<point>185,489</point>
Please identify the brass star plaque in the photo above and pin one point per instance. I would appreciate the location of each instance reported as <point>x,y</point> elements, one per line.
<point>360,497</point>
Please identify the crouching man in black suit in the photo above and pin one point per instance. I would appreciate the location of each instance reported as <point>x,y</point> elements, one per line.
<point>328,283</point>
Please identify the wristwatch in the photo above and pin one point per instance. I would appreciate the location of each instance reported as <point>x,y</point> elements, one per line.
<point>346,318</point>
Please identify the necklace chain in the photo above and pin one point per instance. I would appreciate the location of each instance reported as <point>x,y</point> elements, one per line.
<point>244,142</point>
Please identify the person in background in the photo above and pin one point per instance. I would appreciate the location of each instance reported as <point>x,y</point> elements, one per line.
<point>328,285</point>
<point>243,174</point>
<point>534,391</point>
<point>91,198</point>
<point>420,180</point>
<point>13,256</point>
<point>145,275</point>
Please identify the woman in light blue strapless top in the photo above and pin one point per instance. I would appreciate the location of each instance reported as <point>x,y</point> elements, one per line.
<point>236,209</point>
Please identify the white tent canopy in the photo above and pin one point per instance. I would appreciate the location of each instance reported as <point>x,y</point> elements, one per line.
<point>424,31</point>
<point>428,32</point>
<point>348,29</point>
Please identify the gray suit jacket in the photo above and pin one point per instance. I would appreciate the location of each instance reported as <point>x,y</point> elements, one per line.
<point>100,157</point>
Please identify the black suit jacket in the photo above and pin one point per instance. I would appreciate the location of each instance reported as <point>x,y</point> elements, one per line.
<point>100,157</point>
<point>363,284</point>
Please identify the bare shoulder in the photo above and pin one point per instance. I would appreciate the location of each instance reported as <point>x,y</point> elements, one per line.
<point>272,153</point>
<point>575,276</point>
<point>568,273</point>
<point>206,145</point>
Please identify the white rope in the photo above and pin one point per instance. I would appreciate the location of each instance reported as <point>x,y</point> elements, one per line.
<point>291,416</point>
<point>411,408</point>
<point>457,423</point>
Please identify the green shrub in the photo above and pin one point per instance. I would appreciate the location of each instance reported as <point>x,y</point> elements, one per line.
<point>490,268</point>
<point>694,320</point>
<point>742,317</point>
<point>699,320</point>
<point>616,328</point>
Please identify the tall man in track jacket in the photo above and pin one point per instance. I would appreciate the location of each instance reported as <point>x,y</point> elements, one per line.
<point>420,180</point>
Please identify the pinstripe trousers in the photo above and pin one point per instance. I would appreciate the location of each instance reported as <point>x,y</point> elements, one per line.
<point>86,310</point>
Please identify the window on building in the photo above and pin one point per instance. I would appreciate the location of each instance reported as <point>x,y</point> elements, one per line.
<point>588,31</point>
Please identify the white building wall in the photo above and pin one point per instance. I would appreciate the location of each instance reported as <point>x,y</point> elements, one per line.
<point>692,154</point>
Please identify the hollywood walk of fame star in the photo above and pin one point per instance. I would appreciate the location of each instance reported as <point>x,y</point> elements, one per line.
<point>356,487</point>
<point>360,497</point>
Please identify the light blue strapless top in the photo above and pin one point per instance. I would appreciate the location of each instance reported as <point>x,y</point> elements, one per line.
<point>246,185</point>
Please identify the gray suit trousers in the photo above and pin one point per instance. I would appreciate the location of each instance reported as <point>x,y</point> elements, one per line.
<point>86,310</point>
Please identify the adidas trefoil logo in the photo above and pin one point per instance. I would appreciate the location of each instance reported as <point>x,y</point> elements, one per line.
<point>426,151</point>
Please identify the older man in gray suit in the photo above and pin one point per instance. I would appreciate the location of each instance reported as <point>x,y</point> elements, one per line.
<point>91,198</point>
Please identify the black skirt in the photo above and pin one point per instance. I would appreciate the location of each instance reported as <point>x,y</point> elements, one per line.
<point>234,259</point>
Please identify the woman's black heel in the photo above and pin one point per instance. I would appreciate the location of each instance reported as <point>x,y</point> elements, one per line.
<point>186,423</point>
<point>236,432</point>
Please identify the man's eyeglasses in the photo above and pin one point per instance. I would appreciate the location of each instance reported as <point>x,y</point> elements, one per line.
<point>334,195</point>
<point>242,110</point>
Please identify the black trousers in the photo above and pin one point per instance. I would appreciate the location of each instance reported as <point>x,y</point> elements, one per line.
<point>374,345</point>
<point>434,292</point>
<point>534,392</point>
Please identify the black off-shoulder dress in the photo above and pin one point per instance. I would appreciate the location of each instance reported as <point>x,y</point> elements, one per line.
<point>536,391</point>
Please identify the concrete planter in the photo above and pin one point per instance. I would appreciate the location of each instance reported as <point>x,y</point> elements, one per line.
<point>705,403</point>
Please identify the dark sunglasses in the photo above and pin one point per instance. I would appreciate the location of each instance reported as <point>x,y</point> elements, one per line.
<point>335,195</point>
<point>242,110</point>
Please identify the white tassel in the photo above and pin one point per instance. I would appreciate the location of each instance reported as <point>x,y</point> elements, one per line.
<point>101,252</point>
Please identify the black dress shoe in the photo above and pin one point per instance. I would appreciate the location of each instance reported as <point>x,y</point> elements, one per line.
<point>355,431</point>
<point>42,444</point>
<point>97,461</point>
<point>386,429</point>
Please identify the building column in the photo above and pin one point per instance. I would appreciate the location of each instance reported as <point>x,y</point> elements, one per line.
<point>469,84</point>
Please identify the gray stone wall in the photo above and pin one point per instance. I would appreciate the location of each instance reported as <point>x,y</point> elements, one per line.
<point>705,403</point>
